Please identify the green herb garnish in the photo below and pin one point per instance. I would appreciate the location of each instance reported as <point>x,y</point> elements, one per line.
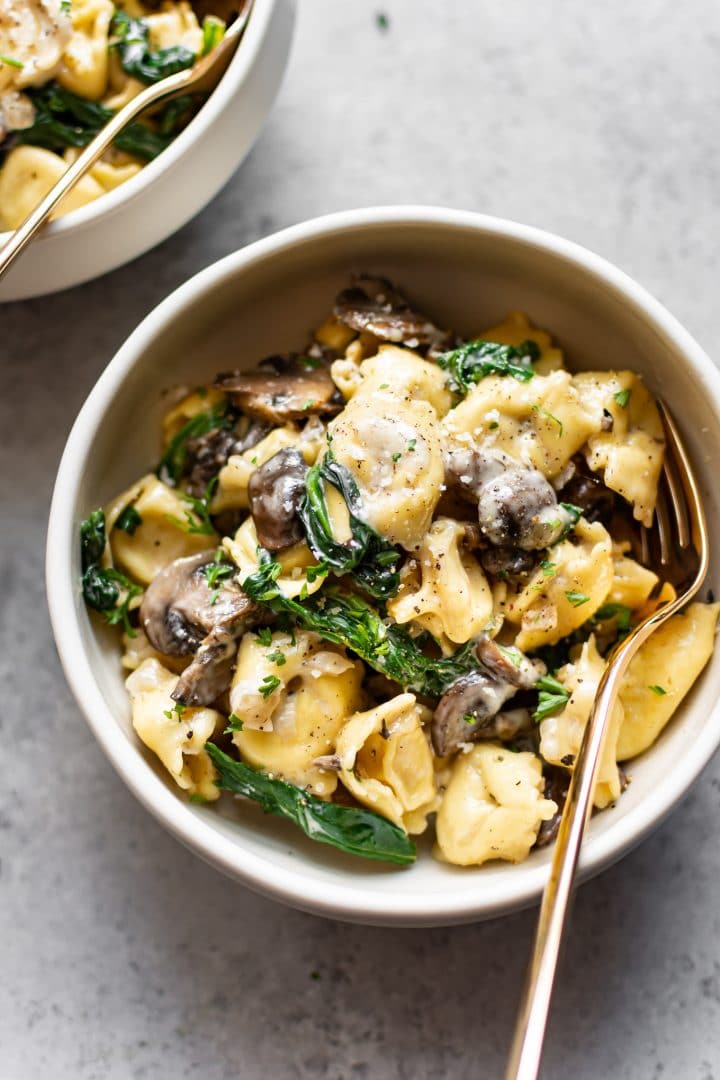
<point>12,62</point>
<point>549,416</point>
<point>269,684</point>
<point>471,362</point>
<point>213,30</point>
<point>354,831</point>
<point>264,635</point>
<point>216,572</point>
<point>552,697</point>
<point>176,713</point>
<point>622,397</point>
<point>197,517</point>
<point>234,724</point>
<point>659,690</point>
<point>577,599</point>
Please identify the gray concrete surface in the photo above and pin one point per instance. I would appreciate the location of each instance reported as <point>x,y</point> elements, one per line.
<point>123,956</point>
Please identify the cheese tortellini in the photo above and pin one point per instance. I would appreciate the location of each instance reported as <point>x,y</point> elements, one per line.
<point>65,49</point>
<point>373,585</point>
<point>493,806</point>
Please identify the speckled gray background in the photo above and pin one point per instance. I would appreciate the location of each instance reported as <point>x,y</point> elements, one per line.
<point>121,955</point>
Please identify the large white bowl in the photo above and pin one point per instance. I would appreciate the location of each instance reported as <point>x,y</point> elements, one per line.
<point>467,271</point>
<point>177,184</point>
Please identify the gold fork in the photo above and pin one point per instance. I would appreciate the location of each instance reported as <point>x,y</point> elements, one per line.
<point>202,77</point>
<point>678,545</point>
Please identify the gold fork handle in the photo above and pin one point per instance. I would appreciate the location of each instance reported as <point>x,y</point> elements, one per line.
<point>527,1046</point>
<point>92,152</point>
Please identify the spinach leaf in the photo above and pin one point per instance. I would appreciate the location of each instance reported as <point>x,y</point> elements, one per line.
<point>348,620</point>
<point>132,44</point>
<point>476,359</point>
<point>63,119</point>
<point>354,831</point>
<point>104,589</point>
<point>197,516</point>
<point>369,558</point>
<point>173,462</point>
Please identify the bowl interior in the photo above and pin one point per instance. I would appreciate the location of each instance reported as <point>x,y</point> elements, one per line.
<point>466,273</point>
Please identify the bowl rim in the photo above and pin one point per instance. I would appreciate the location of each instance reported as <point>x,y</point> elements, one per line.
<point>189,824</point>
<point>113,201</point>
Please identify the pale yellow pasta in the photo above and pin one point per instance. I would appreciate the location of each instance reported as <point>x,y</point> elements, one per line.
<point>187,406</point>
<point>137,649</point>
<point>444,589</point>
<point>493,806</point>
<point>670,662</point>
<point>540,423</point>
<point>295,561</point>
<point>630,453</point>
<point>25,179</point>
<point>392,446</point>
<point>515,329</point>
<point>561,735</point>
<point>334,335</point>
<point>565,592</point>
<point>632,583</point>
<point>178,738</point>
<point>34,33</point>
<point>387,764</point>
<point>403,372</point>
<point>175,24</point>
<point>157,540</point>
<point>233,479</point>
<point>286,730</point>
<point>84,69</point>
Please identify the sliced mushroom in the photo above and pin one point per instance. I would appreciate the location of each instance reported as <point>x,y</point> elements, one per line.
<point>467,709</point>
<point>470,708</point>
<point>510,564</point>
<point>283,388</point>
<point>181,616</point>
<point>275,490</point>
<point>587,490</point>
<point>517,506</point>
<point>509,663</point>
<point>207,454</point>
<point>375,305</point>
<point>557,782</point>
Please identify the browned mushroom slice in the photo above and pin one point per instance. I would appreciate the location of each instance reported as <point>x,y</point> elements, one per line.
<point>375,305</point>
<point>181,616</point>
<point>466,710</point>
<point>282,389</point>
<point>207,454</point>
<point>509,663</point>
<point>557,781</point>
<point>275,490</point>
<point>587,490</point>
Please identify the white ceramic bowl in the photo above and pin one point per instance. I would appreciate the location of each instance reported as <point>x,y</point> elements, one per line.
<point>175,186</point>
<point>467,271</point>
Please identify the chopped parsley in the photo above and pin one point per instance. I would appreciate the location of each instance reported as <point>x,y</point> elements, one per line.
<point>470,719</point>
<point>197,517</point>
<point>577,599</point>
<point>383,386</point>
<point>264,635</point>
<point>213,31</point>
<point>396,456</point>
<point>308,404</point>
<point>269,684</point>
<point>659,690</point>
<point>234,724</point>
<point>411,445</point>
<point>552,697</point>
<point>622,397</point>
<point>312,573</point>
<point>382,21</point>
<point>12,62</point>
<point>216,572</point>
<point>277,657</point>
<point>128,520</point>
<point>176,713</point>
<point>493,425</point>
<point>197,798</point>
<point>549,415</point>
<point>620,612</point>
<point>548,568</point>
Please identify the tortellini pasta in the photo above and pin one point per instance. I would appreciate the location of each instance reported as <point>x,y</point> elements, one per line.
<point>444,589</point>
<point>541,422</point>
<point>163,533</point>
<point>178,737</point>
<point>293,697</point>
<point>391,445</point>
<point>295,561</point>
<point>628,450</point>
<point>386,762</point>
<point>493,806</point>
<point>404,627</point>
<point>566,591</point>
<point>561,734</point>
<point>84,68</point>
<point>662,673</point>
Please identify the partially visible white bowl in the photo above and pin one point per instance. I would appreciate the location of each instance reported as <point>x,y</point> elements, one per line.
<point>175,186</point>
<point>467,271</point>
